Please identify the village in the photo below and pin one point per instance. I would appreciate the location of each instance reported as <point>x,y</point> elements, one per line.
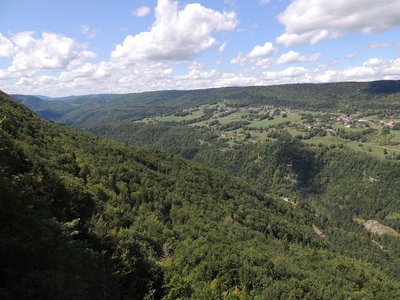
<point>373,133</point>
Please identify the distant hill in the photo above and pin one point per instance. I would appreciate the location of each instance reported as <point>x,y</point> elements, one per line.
<point>89,218</point>
<point>46,108</point>
<point>94,110</point>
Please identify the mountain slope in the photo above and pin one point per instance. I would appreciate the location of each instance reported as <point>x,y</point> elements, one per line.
<point>90,218</point>
<point>46,108</point>
<point>339,185</point>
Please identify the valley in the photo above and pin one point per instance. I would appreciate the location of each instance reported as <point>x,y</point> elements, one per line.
<point>204,194</point>
<point>205,150</point>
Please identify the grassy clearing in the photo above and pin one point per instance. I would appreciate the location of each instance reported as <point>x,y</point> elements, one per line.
<point>372,149</point>
<point>234,117</point>
<point>259,136</point>
<point>359,221</point>
<point>393,216</point>
<point>374,143</point>
<point>172,118</point>
<point>340,126</point>
<point>324,140</point>
<point>396,136</point>
<point>294,132</point>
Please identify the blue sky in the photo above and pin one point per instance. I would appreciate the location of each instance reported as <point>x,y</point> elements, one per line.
<point>60,48</point>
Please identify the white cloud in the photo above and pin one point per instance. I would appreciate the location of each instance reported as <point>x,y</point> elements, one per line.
<point>141,11</point>
<point>234,79</point>
<point>291,72</point>
<point>6,47</point>
<point>288,75</point>
<point>221,48</point>
<point>111,77</point>
<point>310,21</point>
<point>176,35</point>
<point>361,72</point>
<point>292,57</point>
<point>379,45</point>
<point>257,53</point>
<point>87,54</point>
<point>196,66</point>
<point>262,51</point>
<point>257,57</point>
<point>374,62</point>
<point>50,52</point>
<point>239,60</point>
<point>54,65</point>
<point>265,62</point>
<point>327,76</point>
<point>312,37</point>
<point>372,69</point>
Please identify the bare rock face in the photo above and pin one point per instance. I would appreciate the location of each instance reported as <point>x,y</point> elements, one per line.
<point>375,227</point>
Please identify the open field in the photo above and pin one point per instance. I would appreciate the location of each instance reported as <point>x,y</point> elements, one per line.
<point>258,124</point>
<point>174,118</point>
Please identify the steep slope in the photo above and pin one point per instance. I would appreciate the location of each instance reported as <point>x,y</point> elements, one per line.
<point>46,108</point>
<point>339,184</point>
<point>89,218</point>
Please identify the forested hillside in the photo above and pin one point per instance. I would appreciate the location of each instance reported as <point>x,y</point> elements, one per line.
<point>339,185</point>
<point>90,218</point>
<point>95,110</point>
<point>47,109</point>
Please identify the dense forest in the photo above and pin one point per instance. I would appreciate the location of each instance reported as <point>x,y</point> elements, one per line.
<point>90,218</point>
<point>337,183</point>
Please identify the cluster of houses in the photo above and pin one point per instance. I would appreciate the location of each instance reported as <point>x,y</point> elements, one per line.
<point>388,123</point>
<point>267,109</point>
<point>348,119</point>
<point>345,118</point>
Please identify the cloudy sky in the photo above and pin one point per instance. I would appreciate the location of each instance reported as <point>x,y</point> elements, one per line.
<point>71,47</point>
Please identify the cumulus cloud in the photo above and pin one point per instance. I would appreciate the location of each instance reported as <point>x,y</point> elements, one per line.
<point>265,62</point>
<point>176,35</point>
<point>260,56</point>
<point>50,52</point>
<point>372,69</point>
<point>141,11</point>
<point>6,47</point>
<point>374,62</point>
<point>292,57</point>
<point>291,72</point>
<point>108,77</point>
<point>239,60</point>
<point>258,52</point>
<point>261,51</point>
<point>309,21</point>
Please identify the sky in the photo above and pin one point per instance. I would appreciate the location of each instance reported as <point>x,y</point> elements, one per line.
<point>75,47</point>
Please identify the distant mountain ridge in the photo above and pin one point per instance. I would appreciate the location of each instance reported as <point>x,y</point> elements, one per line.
<point>93,110</point>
